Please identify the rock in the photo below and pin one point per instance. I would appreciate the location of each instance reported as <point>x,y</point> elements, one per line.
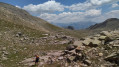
<point>45,34</point>
<point>70,47</point>
<point>4,48</point>
<point>104,38</point>
<point>72,52</point>
<point>105,33</point>
<point>87,42</point>
<point>113,58</point>
<point>5,53</point>
<point>78,49</point>
<point>19,34</point>
<point>77,43</point>
<point>71,58</point>
<point>100,54</point>
<point>95,43</point>
<point>4,58</point>
<point>64,42</point>
<point>88,62</point>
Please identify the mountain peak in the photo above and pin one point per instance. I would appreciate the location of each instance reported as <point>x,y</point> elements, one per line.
<point>111,23</point>
<point>111,19</point>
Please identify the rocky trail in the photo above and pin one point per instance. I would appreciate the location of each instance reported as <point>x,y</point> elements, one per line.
<point>101,50</point>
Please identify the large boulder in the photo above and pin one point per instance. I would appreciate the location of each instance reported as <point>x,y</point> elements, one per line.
<point>95,43</point>
<point>92,42</point>
<point>106,33</point>
<point>105,39</point>
<point>78,43</point>
<point>114,58</point>
<point>87,41</point>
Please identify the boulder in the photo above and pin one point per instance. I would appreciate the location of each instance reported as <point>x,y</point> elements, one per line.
<point>87,42</point>
<point>114,58</point>
<point>70,47</point>
<point>95,43</point>
<point>104,38</point>
<point>106,33</point>
<point>78,43</point>
<point>78,49</point>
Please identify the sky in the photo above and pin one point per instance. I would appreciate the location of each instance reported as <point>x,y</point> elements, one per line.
<point>69,11</point>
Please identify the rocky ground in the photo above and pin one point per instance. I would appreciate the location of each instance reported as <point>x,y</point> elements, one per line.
<point>101,50</point>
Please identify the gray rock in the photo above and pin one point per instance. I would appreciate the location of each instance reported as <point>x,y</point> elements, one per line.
<point>88,62</point>
<point>95,43</point>
<point>113,58</point>
<point>87,41</point>
<point>70,47</point>
<point>71,58</point>
<point>4,58</point>
<point>106,33</point>
<point>78,43</point>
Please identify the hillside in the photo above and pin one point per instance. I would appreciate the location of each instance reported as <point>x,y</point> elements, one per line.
<point>23,35</point>
<point>18,16</point>
<point>109,24</point>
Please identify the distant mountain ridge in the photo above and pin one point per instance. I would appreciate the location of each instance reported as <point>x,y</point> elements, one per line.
<point>76,25</point>
<point>109,24</point>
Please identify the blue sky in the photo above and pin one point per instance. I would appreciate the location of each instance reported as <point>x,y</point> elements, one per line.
<point>69,11</point>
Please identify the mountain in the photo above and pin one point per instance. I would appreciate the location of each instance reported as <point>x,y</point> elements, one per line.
<point>76,25</point>
<point>109,24</point>
<point>19,16</point>
<point>23,35</point>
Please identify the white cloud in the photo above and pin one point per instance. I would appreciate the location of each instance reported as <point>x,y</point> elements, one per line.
<point>100,2</point>
<point>47,7</point>
<point>115,5</point>
<point>111,14</point>
<point>90,4</point>
<point>87,16</point>
<point>80,6</point>
<point>80,12</point>
<point>69,17</point>
<point>18,6</point>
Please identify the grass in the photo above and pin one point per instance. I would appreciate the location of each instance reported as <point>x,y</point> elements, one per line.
<point>16,51</point>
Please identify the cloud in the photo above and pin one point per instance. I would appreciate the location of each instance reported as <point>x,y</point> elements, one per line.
<point>70,17</point>
<point>88,11</point>
<point>87,16</point>
<point>100,2</point>
<point>90,4</point>
<point>80,6</point>
<point>47,7</point>
<point>115,5</point>
<point>111,14</point>
<point>18,6</point>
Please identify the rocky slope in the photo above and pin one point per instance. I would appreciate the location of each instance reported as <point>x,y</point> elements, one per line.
<point>109,24</point>
<point>19,16</point>
<point>23,36</point>
<point>101,50</point>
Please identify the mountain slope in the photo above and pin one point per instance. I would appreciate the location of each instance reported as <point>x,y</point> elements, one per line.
<point>109,24</point>
<point>19,16</point>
